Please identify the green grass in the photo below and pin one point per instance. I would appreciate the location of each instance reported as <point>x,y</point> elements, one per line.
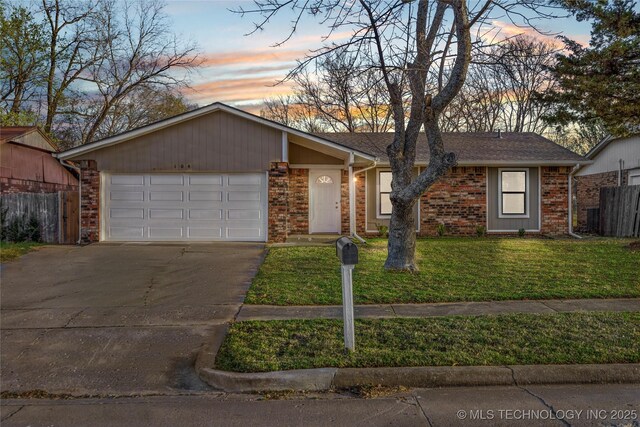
<point>10,251</point>
<point>568,338</point>
<point>454,269</point>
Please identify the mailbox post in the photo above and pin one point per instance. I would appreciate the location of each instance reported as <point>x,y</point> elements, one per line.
<point>347,253</point>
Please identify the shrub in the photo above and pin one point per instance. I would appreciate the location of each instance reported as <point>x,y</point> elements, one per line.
<point>383,230</point>
<point>22,229</point>
<point>521,232</point>
<point>441,229</point>
<point>481,230</point>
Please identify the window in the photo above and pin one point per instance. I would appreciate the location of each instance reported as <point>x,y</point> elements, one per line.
<point>384,192</point>
<point>514,186</point>
<point>324,179</point>
<point>634,177</point>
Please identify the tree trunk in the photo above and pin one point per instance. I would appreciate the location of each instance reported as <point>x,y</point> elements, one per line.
<point>402,238</point>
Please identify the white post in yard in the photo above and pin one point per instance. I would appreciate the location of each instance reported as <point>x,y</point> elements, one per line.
<point>347,307</point>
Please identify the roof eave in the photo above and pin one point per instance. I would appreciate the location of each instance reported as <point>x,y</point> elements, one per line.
<point>510,163</point>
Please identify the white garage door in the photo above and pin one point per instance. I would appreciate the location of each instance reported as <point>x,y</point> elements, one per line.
<point>184,207</point>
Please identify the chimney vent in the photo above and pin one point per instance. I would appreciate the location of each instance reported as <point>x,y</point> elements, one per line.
<point>499,133</point>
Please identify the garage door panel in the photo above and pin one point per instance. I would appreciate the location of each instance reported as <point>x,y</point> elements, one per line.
<point>205,233</point>
<point>248,214</point>
<point>165,233</point>
<point>127,179</point>
<point>251,180</point>
<point>182,207</point>
<point>214,196</point>
<point>134,196</point>
<point>209,180</point>
<point>205,214</point>
<point>127,232</point>
<point>243,196</point>
<point>127,213</point>
<point>166,214</point>
<point>166,196</point>
<point>167,180</point>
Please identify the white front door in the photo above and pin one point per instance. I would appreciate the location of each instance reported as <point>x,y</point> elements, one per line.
<point>324,201</point>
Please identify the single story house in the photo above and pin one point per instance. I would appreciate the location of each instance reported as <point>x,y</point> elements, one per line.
<point>26,163</point>
<point>614,162</point>
<point>219,173</point>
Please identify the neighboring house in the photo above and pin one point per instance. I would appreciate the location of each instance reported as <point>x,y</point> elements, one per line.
<point>615,162</point>
<point>219,173</point>
<point>27,166</point>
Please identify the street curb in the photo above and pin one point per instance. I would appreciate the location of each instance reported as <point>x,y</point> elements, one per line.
<point>303,379</point>
<point>428,376</point>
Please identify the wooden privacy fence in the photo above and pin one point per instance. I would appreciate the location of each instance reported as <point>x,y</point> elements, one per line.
<point>620,211</point>
<point>57,213</point>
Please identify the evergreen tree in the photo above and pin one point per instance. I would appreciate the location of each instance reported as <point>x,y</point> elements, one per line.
<point>600,83</point>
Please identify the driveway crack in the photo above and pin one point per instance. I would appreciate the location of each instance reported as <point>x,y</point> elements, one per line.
<point>422,411</point>
<point>72,318</point>
<point>539,398</point>
<point>13,413</point>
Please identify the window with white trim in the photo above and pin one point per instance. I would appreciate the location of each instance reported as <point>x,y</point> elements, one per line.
<point>384,193</point>
<point>513,190</point>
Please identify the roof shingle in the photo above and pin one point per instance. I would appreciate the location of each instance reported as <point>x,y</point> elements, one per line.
<point>471,147</point>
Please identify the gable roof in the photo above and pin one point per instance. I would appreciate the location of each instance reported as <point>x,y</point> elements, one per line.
<point>16,133</point>
<point>472,148</point>
<point>604,143</point>
<point>216,106</point>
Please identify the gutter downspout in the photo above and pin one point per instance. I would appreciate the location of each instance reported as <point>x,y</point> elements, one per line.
<point>571,233</point>
<point>352,196</point>
<point>72,166</point>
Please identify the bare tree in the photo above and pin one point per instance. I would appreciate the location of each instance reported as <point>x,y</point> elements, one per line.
<point>72,46</point>
<point>522,68</point>
<point>405,40</point>
<point>141,107</point>
<point>294,111</point>
<point>137,51</point>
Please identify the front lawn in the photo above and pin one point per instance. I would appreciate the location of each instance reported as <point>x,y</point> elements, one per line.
<point>9,251</point>
<point>454,269</point>
<point>514,339</point>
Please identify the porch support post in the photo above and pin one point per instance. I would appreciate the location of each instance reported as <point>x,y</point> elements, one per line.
<point>352,197</point>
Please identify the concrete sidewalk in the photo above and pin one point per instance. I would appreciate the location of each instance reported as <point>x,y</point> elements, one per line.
<point>373,311</point>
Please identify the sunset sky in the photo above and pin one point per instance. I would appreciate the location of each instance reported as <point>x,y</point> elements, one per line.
<point>241,70</point>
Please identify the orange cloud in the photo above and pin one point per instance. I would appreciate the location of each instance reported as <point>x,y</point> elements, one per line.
<point>238,89</point>
<point>252,57</point>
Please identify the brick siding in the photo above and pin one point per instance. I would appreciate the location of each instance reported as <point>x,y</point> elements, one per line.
<point>587,191</point>
<point>458,200</point>
<point>278,201</point>
<point>89,202</point>
<point>344,202</point>
<point>13,186</point>
<point>298,201</point>
<point>554,186</point>
<point>361,196</point>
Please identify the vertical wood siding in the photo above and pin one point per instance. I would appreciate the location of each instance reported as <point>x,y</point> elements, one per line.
<point>513,224</point>
<point>216,142</point>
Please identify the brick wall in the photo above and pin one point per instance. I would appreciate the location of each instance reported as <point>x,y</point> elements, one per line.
<point>458,200</point>
<point>12,186</point>
<point>361,217</point>
<point>278,201</point>
<point>554,186</point>
<point>90,202</point>
<point>298,201</point>
<point>344,202</point>
<point>587,189</point>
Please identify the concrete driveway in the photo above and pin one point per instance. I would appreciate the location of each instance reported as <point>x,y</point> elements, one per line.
<point>117,319</point>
